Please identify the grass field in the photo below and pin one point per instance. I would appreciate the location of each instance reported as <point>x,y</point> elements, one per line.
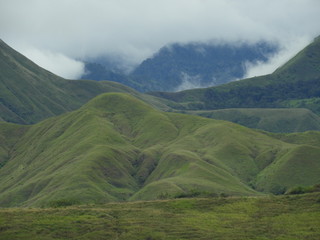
<point>292,217</point>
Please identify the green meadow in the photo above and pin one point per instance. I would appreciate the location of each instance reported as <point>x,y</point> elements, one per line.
<point>291,217</point>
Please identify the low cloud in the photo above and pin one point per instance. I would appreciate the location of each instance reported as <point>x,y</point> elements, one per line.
<point>56,63</point>
<point>286,53</point>
<point>134,30</point>
<point>189,82</point>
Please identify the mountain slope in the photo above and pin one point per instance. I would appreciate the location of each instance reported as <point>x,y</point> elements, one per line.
<point>29,93</point>
<point>296,84</point>
<point>117,148</point>
<point>268,119</point>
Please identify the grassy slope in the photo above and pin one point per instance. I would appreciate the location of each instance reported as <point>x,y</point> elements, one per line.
<point>117,148</point>
<point>279,218</point>
<point>272,120</point>
<point>296,84</point>
<point>29,93</point>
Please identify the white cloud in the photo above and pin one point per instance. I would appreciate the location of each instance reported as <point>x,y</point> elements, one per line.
<point>134,29</point>
<point>286,53</point>
<point>189,82</point>
<point>55,62</point>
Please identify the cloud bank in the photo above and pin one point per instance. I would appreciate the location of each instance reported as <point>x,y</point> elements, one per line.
<point>55,62</point>
<point>286,53</point>
<point>135,29</point>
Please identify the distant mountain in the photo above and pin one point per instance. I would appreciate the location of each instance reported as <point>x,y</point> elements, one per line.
<point>100,72</point>
<point>118,148</point>
<point>182,66</point>
<point>294,85</point>
<point>29,93</point>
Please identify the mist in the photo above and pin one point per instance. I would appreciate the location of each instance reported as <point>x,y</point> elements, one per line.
<point>134,30</point>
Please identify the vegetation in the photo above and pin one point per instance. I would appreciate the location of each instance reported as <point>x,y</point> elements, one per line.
<point>292,217</point>
<point>302,189</point>
<point>117,147</point>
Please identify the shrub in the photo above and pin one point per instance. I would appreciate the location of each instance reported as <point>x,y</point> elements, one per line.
<point>63,203</point>
<point>305,189</point>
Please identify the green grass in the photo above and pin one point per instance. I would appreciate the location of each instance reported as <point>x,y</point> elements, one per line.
<point>118,148</point>
<point>293,217</point>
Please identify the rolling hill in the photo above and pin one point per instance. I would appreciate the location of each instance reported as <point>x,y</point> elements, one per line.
<point>117,147</point>
<point>29,93</point>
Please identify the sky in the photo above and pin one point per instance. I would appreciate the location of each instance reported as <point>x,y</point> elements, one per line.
<point>59,34</point>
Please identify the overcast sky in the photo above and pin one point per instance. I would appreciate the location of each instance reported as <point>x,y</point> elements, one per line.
<point>57,33</point>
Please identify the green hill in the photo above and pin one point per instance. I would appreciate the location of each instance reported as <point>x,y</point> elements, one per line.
<point>269,119</point>
<point>296,84</point>
<point>117,147</point>
<point>29,93</point>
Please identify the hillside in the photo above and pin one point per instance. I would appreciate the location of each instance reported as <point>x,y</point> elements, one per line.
<point>279,120</point>
<point>296,84</point>
<point>29,93</point>
<point>118,148</point>
<point>285,217</point>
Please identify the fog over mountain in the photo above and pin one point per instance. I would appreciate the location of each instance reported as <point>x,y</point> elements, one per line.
<point>59,35</point>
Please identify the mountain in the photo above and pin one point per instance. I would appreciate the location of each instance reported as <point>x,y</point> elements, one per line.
<point>182,66</point>
<point>295,84</point>
<point>117,147</point>
<point>29,93</point>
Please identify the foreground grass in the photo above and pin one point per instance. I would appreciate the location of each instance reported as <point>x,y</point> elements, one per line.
<point>285,217</point>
